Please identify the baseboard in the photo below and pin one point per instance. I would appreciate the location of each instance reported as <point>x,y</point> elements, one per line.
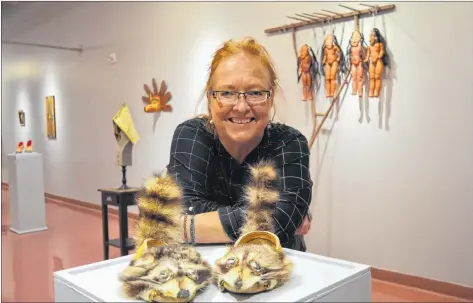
<point>441,287</point>
<point>84,206</point>
<point>444,288</point>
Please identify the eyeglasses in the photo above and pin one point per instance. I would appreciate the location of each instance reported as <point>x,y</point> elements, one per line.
<point>253,97</point>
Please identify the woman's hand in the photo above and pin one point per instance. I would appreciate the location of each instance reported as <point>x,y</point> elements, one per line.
<point>305,227</point>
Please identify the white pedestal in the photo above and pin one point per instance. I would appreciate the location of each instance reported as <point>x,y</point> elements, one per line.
<point>26,188</point>
<point>314,279</point>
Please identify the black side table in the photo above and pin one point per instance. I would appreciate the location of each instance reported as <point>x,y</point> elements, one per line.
<point>121,198</point>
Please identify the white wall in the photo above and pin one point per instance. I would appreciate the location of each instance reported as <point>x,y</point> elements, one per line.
<point>395,193</point>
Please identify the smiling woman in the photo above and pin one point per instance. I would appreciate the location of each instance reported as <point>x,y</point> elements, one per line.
<point>210,155</point>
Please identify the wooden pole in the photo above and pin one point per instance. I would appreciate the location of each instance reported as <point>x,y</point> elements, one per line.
<point>334,13</point>
<point>316,130</point>
<point>337,17</point>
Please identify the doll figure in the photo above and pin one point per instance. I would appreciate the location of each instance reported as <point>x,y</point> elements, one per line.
<point>307,69</point>
<point>356,54</point>
<point>377,59</point>
<point>332,59</point>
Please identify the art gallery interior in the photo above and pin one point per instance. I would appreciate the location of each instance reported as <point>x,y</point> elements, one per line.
<point>392,175</point>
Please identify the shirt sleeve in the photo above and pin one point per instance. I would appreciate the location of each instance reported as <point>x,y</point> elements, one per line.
<point>190,164</point>
<point>296,187</point>
<point>232,220</point>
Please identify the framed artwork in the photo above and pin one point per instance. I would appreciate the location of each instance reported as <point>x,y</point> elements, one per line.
<point>21,116</point>
<point>50,117</point>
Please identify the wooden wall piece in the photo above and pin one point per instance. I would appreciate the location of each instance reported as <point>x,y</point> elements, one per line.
<point>51,117</point>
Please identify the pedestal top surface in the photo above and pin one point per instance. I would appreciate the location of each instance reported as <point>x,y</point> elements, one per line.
<point>313,276</point>
<point>119,191</point>
<point>24,154</point>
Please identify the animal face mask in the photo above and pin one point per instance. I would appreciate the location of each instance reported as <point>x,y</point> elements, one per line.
<point>163,270</point>
<point>256,262</point>
<point>173,273</point>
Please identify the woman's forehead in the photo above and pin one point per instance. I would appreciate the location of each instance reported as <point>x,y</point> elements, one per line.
<point>238,71</point>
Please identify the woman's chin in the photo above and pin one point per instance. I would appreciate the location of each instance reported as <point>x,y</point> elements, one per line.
<point>242,136</point>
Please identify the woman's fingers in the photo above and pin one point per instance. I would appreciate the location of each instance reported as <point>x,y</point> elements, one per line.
<point>304,228</point>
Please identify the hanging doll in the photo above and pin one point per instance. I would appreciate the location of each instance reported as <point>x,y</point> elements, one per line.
<point>377,59</point>
<point>356,53</point>
<point>307,69</point>
<point>333,62</point>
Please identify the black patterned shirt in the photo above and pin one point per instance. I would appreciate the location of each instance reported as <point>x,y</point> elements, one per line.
<point>213,181</point>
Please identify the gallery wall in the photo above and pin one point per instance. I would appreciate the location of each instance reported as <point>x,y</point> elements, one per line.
<point>394,193</point>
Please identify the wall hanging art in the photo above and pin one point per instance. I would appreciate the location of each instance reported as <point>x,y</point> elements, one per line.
<point>21,117</point>
<point>333,63</point>
<point>356,53</point>
<point>157,101</point>
<point>307,69</point>
<point>51,117</point>
<point>377,59</point>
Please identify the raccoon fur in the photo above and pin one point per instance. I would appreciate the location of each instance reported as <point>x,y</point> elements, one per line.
<point>171,271</point>
<point>257,264</point>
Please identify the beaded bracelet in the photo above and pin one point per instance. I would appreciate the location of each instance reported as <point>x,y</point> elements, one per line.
<point>185,229</point>
<point>192,230</point>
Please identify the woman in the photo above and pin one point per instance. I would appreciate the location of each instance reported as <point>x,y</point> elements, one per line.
<point>210,154</point>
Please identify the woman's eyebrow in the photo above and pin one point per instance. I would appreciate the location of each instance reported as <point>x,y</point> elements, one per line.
<point>226,87</point>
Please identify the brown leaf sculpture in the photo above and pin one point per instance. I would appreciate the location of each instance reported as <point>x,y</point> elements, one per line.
<point>157,101</point>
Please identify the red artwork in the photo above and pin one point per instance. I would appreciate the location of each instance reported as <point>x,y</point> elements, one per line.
<point>157,101</point>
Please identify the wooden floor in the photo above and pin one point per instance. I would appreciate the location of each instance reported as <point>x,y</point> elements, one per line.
<point>74,237</point>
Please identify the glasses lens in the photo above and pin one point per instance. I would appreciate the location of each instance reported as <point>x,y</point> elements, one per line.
<point>226,96</point>
<point>256,96</point>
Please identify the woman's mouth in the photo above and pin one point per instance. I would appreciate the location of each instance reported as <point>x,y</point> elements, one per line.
<point>241,120</point>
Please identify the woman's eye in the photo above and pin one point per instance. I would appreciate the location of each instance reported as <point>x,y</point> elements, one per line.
<point>226,94</point>
<point>255,93</point>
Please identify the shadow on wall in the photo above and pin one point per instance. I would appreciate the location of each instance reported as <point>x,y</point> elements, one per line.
<point>386,94</point>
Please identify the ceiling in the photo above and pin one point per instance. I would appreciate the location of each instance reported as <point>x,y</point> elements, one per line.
<point>19,17</point>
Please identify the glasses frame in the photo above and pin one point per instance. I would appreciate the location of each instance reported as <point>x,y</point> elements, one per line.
<point>269,93</point>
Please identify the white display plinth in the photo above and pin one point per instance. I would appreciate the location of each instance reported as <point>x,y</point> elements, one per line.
<point>26,188</point>
<point>314,279</point>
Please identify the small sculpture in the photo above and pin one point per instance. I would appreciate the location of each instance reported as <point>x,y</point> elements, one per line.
<point>377,59</point>
<point>256,262</point>
<point>29,146</point>
<point>20,147</point>
<point>157,100</point>
<point>357,54</point>
<point>126,136</point>
<point>307,68</point>
<point>333,62</point>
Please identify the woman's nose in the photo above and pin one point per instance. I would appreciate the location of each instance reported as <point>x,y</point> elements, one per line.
<point>241,105</point>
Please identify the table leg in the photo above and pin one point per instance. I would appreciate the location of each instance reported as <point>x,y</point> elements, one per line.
<point>123,223</point>
<point>105,231</point>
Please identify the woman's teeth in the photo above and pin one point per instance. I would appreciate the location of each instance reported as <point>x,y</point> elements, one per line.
<point>241,121</point>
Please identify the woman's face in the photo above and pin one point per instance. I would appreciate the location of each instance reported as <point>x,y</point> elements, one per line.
<point>240,123</point>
